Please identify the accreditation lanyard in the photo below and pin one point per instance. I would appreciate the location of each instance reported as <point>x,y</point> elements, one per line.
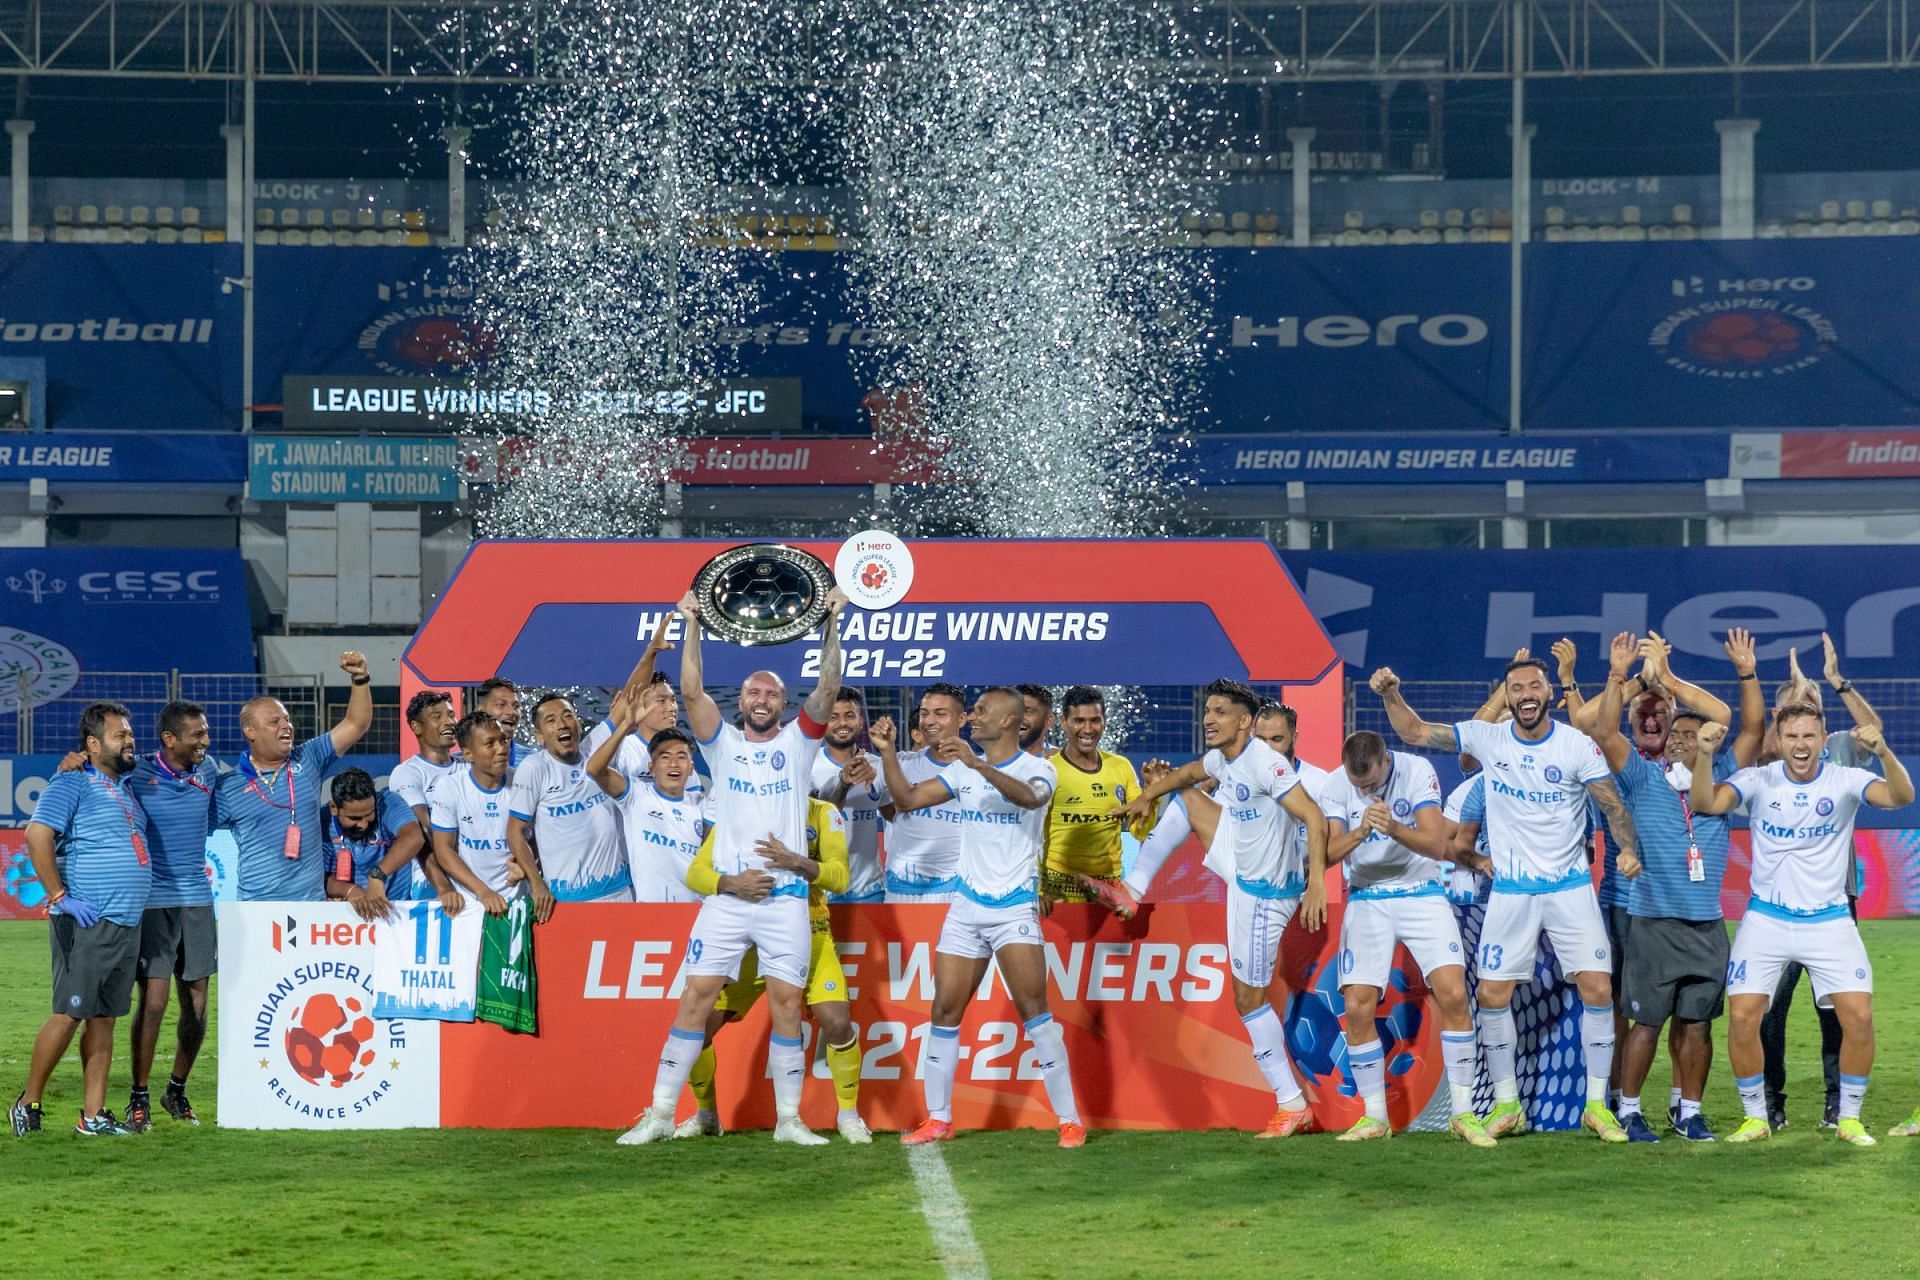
<point>167,771</point>
<point>133,821</point>
<point>343,848</point>
<point>291,846</point>
<point>1696,865</point>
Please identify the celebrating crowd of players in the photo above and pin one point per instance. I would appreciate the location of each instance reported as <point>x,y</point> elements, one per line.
<point>974,813</point>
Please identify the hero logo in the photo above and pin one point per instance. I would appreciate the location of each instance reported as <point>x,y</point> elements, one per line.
<point>1452,329</point>
<point>169,585</point>
<point>435,336</point>
<point>1743,338</point>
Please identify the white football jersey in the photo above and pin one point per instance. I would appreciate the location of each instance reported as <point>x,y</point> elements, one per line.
<point>999,841</point>
<point>478,818</point>
<point>861,809</point>
<point>1251,784</point>
<point>1536,802</point>
<point>1314,779</point>
<point>1464,884</point>
<point>630,757</point>
<point>1382,867</point>
<point>923,846</point>
<point>663,834</point>
<point>759,788</point>
<point>1802,836</point>
<point>415,778</point>
<point>575,829</point>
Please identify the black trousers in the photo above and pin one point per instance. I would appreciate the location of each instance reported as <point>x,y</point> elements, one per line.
<point>1773,1036</point>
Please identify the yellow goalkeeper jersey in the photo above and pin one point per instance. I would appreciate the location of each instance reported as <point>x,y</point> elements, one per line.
<point>826,844</point>
<point>1083,836</point>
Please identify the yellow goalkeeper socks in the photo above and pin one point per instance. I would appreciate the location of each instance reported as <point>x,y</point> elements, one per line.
<point>843,1060</point>
<point>701,1079</point>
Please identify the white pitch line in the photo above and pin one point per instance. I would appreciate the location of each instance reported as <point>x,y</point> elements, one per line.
<point>946,1215</point>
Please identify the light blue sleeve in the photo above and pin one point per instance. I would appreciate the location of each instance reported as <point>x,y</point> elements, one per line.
<point>59,802</point>
<point>317,754</point>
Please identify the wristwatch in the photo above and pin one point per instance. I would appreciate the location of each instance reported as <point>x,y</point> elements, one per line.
<point>378,874</point>
<point>1844,687</point>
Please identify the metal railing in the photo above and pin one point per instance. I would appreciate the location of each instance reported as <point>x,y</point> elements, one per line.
<point>53,726</point>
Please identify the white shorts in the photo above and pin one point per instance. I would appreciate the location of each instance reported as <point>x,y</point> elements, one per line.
<point>977,931</point>
<point>1254,926</point>
<point>1510,935</point>
<point>1372,926</point>
<point>1829,950</point>
<point>727,926</point>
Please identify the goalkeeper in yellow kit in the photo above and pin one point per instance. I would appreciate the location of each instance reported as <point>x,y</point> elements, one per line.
<point>824,867</point>
<point>1083,834</point>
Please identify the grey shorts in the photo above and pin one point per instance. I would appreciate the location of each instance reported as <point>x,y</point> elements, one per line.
<point>92,968</point>
<point>178,942</point>
<point>1677,969</point>
<point>1619,924</point>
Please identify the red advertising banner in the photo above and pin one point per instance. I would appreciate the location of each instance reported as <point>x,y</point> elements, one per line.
<point>1848,455</point>
<point>1146,1005</point>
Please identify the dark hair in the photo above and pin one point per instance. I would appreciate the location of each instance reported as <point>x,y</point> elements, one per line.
<point>848,693</point>
<point>1678,716</point>
<point>419,703</point>
<point>1005,689</point>
<point>351,784</point>
<point>1233,691</point>
<point>464,730</point>
<point>1518,663</point>
<point>945,690</point>
<point>913,720</point>
<point>93,721</point>
<point>1275,707</point>
<point>665,736</point>
<point>174,716</point>
<point>659,677</point>
<point>1794,710</point>
<point>488,685</point>
<point>545,698</point>
<point>1363,750</point>
<point>1038,692</point>
<point>1081,695</point>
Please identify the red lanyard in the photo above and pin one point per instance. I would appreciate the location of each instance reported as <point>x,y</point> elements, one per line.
<point>160,763</point>
<point>126,810</point>
<point>291,846</point>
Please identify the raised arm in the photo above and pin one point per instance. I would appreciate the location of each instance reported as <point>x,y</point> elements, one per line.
<point>1413,731</point>
<point>1604,721</point>
<point>1657,653</point>
<point>820,701</point>
<point>703,715</point>
<point>358,719</point>
<point>907,796</point>
<point>1620,822</point>
<point>621,715</point>
<point>1565,653</point>
<point>642,674</point>
<point>1895,791</point>
<point>1706,795</point>
<point>1863,713</point>
<point>1753,702</point>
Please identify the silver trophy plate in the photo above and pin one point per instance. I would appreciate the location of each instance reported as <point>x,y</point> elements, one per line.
<point>762,593</point>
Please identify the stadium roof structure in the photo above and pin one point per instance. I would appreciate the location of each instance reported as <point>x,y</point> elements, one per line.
<point>1210,42</point>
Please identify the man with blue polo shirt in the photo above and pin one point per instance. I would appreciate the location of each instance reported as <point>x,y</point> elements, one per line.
<point>178,941</point>
<point>272,799</point>
<point>377,848</point>
<point>88,839</point>
<point>1676,950</point>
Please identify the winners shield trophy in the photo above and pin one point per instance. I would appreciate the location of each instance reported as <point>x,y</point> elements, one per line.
<point>762,594</point>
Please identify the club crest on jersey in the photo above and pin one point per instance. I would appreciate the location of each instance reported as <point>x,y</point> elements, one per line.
<point>1825,806</point>
<point>1240,792</point>
<point>1401,808</point>
<point>1553,773</point>
<point>779,760</point>
<point>1119,791</point>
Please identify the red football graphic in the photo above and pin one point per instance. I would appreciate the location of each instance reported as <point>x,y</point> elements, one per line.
<point>874,576</point>
<point>1745,338</point>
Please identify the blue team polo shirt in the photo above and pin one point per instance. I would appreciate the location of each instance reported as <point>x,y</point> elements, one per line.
<point>179,813</point>
<point>392,816</point>
<point>1660,824</point>
<point>257,809</point>
<point>93,820</point>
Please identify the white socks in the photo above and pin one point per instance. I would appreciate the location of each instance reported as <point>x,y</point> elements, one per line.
<point>676,1064</point>
<point>1050,1049</point>
<point>1853,1092</point>
<point>1596,1033</point>
<point>1170,833</point>
<point>1497,1037</point>
<point>943,1057</point>
<point>788,1062</point>
<point>1458,1048</point>
<point>1753,1095</point>
<point>1270,1055</point>
<point>1369,1063</point>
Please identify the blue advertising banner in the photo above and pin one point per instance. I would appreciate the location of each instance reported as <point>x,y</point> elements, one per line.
<point>336,469</point>
<point>1777,333</point>
<point>1459,615</point>
<point>135,337</point>
<point>71,611</point>
<point>123,457</point>
<point>1458,458</point>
